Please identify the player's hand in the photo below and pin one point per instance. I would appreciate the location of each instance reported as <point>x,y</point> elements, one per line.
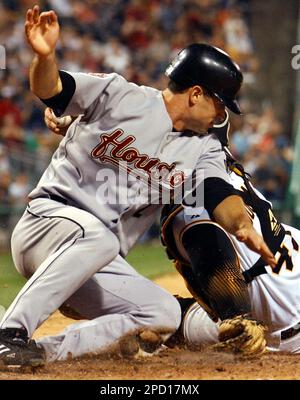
<point>232,216</point>
<point>55,124</point>
<point>256,243</point>
<point>42,31</point>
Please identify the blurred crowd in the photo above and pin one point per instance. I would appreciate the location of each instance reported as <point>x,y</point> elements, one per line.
<point>136,38</point>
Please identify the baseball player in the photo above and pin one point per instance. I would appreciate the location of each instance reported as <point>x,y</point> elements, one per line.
<point>88,209</point>
<point>243,305</point>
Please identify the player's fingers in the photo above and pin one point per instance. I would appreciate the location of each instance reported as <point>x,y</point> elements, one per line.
<point>35,14</point>
<point>48,113</point>
<point>53,16</point>
<point>256,243</point>
<point>261,247</point>
<point>27,27</point>
<point>52,117</point>
<point>29,16</point>
<point>47,122</point>
<point>44,17</point>
<point>48,119</point>
<point>51,124</point>
<point>267,255</point>
<point>53,129</point>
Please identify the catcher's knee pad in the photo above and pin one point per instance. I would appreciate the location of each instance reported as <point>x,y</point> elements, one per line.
<point>216,276</point>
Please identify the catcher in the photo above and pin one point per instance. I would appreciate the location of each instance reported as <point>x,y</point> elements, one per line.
<point>242,304</point>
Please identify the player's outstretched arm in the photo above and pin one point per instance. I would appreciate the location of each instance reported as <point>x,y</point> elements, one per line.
<point>232,216</point>
<point>42,33</point>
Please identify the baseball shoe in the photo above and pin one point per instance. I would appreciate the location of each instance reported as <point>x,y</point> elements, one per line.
<point>143,344</point>
<point>17,350</point>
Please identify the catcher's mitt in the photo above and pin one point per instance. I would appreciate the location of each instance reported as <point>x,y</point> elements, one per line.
<point>242,335</point>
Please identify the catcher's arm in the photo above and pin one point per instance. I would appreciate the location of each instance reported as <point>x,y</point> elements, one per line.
<point>232,215</point>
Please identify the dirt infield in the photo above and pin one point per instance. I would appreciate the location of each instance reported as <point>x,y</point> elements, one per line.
<point>171,364</point>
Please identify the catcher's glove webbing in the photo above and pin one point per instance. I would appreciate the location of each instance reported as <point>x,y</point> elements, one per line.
<point>242,335</point>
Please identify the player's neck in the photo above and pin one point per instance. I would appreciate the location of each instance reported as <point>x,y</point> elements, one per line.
<point>175,105</point>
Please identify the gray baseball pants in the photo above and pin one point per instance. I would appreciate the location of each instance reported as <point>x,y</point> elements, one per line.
<point>70,257</point>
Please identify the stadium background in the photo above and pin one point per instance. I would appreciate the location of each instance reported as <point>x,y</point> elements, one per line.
<point>138,38</point>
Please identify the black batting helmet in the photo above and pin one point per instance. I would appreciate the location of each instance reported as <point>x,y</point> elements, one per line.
<point>210,67</point>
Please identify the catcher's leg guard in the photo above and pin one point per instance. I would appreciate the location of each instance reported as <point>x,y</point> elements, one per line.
<point>216,276</point>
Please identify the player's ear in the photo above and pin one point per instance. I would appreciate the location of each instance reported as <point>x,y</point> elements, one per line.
<point>195,94</point>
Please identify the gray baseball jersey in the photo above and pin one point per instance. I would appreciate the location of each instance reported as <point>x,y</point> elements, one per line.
<point>123,129</point>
